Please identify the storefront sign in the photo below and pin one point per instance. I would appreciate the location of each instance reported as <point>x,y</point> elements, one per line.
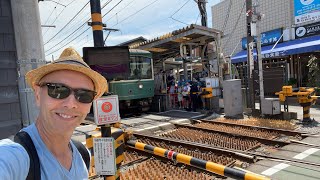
<point>267,38</point>
<point>273,54</point>
<point>307,30</point>
<point>306,10</point>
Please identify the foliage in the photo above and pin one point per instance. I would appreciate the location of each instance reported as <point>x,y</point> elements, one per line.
<point>314,71</point>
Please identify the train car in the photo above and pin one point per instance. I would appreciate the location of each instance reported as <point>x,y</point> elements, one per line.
<point>131,78</point>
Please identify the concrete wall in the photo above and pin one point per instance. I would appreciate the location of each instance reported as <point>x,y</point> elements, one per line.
<point>278,14</point>
<point>10,113</point>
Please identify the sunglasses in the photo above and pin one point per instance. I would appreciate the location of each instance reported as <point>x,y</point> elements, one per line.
<point>61,91</point>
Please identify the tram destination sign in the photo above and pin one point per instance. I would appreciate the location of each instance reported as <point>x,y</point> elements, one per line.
<point>307,30</point>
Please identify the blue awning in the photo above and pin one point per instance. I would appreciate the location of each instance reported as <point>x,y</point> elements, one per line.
<point>298,46</point>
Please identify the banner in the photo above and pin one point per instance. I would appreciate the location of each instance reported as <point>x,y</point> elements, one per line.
<point>306,10</point>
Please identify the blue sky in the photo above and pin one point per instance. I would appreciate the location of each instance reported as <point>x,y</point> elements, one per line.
<point>134,18</point>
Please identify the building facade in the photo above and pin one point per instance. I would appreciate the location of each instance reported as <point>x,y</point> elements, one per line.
<point>285,35</point>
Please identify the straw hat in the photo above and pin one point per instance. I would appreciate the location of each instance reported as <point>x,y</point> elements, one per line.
<point>68,60</point>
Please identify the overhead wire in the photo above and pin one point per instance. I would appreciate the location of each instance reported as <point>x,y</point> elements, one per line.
<point>236,24</point>
<point>135,13</point>
<point>78,29</point>
<point>67,23</point>
<point>177,12</point>
<point>58,16</point>
<point>227,16</point>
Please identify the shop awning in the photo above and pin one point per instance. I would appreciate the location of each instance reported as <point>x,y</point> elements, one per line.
<point>298,46</point>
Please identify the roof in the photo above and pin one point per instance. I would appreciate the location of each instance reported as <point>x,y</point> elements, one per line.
<point>133,41</point>
<point>168,45</point>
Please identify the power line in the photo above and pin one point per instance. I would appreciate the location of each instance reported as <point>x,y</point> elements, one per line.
<point>50,15</point>
<point>227,18</point>
<point>177,12</point>
<point>121,9</point>
<point>61,13</point>
<point>179,9</point>
<point>68,22</point>
<point>235,26</point>
<point>69,42</point>
<point>78,29</point>
<point>135,12</point>
<point>66,37</point>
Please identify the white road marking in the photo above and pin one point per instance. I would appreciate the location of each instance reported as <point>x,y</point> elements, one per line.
<point>306,153</point>
<point>282,166</point>
<point>275,169</point>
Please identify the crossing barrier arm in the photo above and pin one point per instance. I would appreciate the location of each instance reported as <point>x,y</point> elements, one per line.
<point>199,163</point>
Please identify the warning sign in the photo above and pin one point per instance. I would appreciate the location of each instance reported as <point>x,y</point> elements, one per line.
<point>104,156</point>
<point>106,110</point>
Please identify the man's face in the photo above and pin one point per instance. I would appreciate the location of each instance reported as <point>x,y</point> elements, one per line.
<point>62,115</point>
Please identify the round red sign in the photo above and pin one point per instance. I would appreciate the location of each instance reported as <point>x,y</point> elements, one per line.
<point>106,107</point>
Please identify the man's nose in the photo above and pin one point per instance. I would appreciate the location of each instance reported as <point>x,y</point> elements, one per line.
<point>70,102</point>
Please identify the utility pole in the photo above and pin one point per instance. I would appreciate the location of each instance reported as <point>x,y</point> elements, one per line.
<point>256,18</point>
<point>203,12</point>
<point>251,32</point>
<point>96,23</point>
<point>29,52</point>
<point>97,27</point>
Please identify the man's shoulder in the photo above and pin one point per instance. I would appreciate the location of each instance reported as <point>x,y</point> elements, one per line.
<point>10,147</point>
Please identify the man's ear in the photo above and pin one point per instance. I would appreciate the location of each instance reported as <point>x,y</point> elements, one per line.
<point>37,94</point>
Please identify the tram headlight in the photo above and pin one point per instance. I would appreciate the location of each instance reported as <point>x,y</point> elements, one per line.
<point>140,86</point>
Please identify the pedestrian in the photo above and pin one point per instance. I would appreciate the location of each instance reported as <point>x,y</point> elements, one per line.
<point>180,96</point>
<point>194,96</point>
<point>185,95</point>
<point>64,91</point>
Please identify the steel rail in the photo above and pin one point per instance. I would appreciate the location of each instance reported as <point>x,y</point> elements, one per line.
<point>245,155</point>
<point>261,140</point>
<point>195,145</point>
<point>281,131</point>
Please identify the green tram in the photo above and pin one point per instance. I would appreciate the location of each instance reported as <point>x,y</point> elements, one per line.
<point>137,91</point>
<point>131,78</point>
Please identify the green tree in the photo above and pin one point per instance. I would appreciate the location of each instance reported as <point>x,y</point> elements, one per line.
<point>314,72</point>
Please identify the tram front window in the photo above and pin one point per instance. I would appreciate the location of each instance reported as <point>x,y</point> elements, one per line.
<point>140,68</point>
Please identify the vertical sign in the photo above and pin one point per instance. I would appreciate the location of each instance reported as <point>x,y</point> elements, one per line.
<point>106,110</point>
<point>104,156</point>
<point>306,10</point>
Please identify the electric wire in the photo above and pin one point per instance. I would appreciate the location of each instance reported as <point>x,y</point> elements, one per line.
<point>68,22</point>
<point>227,16</point>
<point>177,12</point>
<point>77,30</point>
<point>58,16</point>
<point>71,34</point>
<point>135,13</point>
<point>236,24</point>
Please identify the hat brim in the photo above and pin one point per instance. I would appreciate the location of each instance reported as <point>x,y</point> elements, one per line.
<point>100,83</point>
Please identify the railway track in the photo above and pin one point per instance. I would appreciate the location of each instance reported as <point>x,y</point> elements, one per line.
<point>220,138</point>
<point>243,126</point>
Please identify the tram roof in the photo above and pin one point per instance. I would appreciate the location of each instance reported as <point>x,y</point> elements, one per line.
<point>168,45</point>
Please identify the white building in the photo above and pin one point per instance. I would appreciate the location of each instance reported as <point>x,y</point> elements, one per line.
<point>297,22</point>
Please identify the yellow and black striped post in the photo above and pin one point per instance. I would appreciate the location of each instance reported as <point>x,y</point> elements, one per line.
<point>96,23</point>
<point>199,163</point>
<point>118,136</point>
<point>306,111</point>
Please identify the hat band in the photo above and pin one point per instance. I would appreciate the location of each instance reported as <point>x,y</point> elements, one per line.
<point>70,62</point>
